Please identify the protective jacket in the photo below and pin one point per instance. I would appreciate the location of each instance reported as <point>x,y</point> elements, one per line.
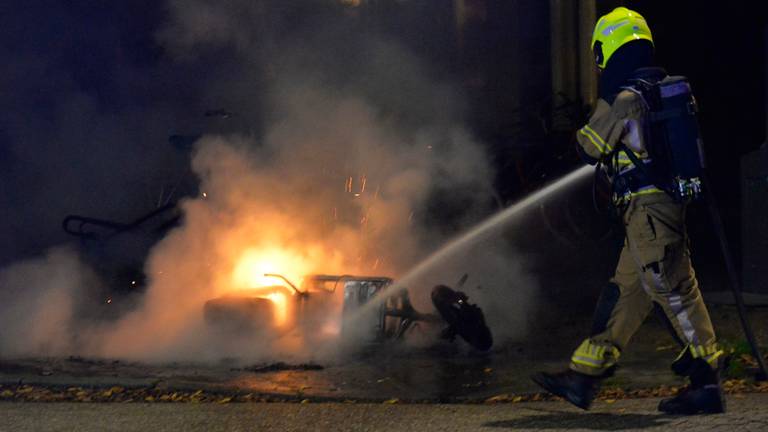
<point>620,123</point>
<point>654,266</point>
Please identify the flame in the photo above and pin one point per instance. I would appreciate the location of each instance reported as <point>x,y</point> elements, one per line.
<point>254,264</point>
<point>281,306</point>
<point>250,274</point>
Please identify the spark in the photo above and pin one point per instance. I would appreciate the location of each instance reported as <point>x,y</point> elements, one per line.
<point>362,187</point>
<point>205,195</point>
<point>109,300</point>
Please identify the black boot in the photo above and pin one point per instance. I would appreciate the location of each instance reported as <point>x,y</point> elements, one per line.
<point>703,395</point>
<point>577,388</point>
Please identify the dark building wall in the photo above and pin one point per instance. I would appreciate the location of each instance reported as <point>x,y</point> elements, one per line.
<point>754,187</point>
<point>505,55</point>
<point>506,69</point>
<point>428,27</point>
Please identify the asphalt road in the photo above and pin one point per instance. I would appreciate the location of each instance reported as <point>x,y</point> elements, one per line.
<point>746,413</point>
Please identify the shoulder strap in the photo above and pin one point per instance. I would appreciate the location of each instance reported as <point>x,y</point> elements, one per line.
<point>644,168</point>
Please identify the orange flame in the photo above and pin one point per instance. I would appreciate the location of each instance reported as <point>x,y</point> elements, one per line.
<point>281,306</point>
<point>253,266</point>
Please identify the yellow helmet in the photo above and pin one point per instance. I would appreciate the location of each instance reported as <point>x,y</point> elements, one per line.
<point>616,28</point>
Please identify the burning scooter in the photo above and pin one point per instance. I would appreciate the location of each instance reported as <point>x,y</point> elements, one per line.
<point>391,319</point>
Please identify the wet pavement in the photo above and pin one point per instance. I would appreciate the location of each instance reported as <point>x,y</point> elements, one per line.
<point>440,373</point>
<point>408,375</point>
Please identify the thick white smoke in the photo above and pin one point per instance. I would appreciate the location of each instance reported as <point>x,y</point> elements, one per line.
<point>38,301</point>
<point>349,167</point>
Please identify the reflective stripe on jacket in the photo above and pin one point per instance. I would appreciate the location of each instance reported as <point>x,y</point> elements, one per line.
<point>611,124</point>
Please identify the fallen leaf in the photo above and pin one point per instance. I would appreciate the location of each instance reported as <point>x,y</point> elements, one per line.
<point>748,360</point>
<point>498,398</point>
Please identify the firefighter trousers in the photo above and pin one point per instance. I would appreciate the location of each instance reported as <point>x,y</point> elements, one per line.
<point>654,267</point>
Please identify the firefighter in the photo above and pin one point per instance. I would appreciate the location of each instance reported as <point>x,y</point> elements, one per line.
<point>654,268</point>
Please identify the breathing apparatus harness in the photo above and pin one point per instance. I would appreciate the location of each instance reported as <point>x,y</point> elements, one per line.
<point>675,165</point>
<point>670,132</point>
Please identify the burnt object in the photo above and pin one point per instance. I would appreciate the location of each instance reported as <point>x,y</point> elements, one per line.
<point>240,314</point>
<point>464,319</point>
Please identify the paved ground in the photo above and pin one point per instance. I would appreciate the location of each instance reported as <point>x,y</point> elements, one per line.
<point>205,394</point>
<point>746,413</point>
<point>449,373</point>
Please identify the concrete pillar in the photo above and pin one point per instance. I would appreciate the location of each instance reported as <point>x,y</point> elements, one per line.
<point>573,69</point>
<point>587,69</point>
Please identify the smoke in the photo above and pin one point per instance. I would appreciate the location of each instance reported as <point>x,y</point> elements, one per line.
<point>332,184</point>
<point>346,154</point>
<point>38,299</point>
